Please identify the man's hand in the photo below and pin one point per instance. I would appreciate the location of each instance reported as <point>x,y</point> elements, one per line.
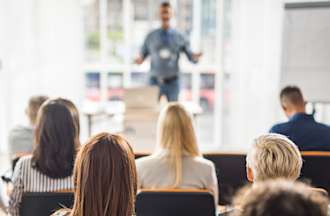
<point>139,60</point>
<point>196,56</point>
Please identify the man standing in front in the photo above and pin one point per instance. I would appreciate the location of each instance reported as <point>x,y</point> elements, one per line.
<point>164,46</point>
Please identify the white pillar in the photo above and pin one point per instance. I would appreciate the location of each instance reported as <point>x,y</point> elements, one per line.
<point>195,44</point>
<point>18,61</point>
<point>127,26</point>
<point>219,76</point>
<point>256,41</point>
<point>104,45</point>
<point>60,48</point>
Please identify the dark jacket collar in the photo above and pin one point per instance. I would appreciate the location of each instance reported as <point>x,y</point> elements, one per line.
<point>301,116</point>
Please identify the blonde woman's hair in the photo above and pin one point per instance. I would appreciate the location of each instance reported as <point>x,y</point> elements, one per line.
<point>176,138</point>
<point>274,156</point>
<point>34,105</point>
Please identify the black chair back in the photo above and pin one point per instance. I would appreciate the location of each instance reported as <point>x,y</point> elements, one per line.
<point>170,203</point>
<point>231,174</point>
<point>315,170</point>
<point>44,204</point>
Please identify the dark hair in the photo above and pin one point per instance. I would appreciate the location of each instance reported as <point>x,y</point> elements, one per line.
<point>56,138</point>
<point>34,104</point>
<point>280,197</point>
<point>105,177</point>
<point>165,4</point>
<point>293,95</point>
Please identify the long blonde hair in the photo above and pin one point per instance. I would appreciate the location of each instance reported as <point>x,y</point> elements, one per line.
<point>176,138</point>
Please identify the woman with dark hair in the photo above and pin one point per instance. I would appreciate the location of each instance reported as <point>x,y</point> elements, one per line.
<point>105,178</point>
<point>50,166</point>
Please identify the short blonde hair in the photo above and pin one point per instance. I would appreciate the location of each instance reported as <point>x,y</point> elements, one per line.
<point>280,197</point>
<point>274,156</point>
<point>34,105</point>
<point>176,137</point>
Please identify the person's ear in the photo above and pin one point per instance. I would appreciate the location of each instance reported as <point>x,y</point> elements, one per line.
<point>249,174</point>
<point>284,107</point>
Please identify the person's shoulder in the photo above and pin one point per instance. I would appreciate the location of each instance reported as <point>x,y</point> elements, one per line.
<point>204,166</point>
<point>280,127</point>
<point>146,164</point>
<point>22,166</point>
<point>144,161</point>
<point>18,129</point>
<point>201,162</point>
<point>25,160</point>
<point>177,32</point>
<point>181,35</point>
<point>324,126</point>
<point>153,33</point>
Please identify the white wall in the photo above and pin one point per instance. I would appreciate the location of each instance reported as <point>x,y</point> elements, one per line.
<point>42,50</point>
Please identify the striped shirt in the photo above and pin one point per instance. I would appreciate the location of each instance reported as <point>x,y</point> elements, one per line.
<point>28,179</point>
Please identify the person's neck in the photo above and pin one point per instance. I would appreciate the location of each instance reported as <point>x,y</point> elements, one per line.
<point>166,26</point>
<point>298,111</point>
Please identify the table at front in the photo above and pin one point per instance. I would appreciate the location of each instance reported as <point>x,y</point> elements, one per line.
<point>114,108</point>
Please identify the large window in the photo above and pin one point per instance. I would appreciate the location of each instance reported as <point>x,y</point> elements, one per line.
<point>92,31</point>
<point>114,32</point>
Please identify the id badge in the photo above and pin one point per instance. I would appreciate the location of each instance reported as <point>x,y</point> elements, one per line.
<point>164,53</point>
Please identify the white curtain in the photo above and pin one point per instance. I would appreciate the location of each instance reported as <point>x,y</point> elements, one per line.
<point>41,47</point>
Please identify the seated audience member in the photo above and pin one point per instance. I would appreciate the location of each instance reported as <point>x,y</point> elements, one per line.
<point>301,128</point>
<point>50,166</point>
<point>280,198</point>
<point>273,156</point>
<point>105,178</point>
<point>21,137</point>
<point>177,162</point>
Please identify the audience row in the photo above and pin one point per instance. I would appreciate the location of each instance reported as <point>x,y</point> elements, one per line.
<point>105,176</point>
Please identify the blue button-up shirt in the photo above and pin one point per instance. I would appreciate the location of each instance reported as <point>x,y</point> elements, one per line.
<point>305,132</point>
<point>164,48</point>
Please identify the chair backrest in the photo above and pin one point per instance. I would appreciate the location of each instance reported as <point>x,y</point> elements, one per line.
<point>44,204</point>
<point>315,169</point>
<point>175,203</point>
<point>231,173</point>
<point>141,154</point>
